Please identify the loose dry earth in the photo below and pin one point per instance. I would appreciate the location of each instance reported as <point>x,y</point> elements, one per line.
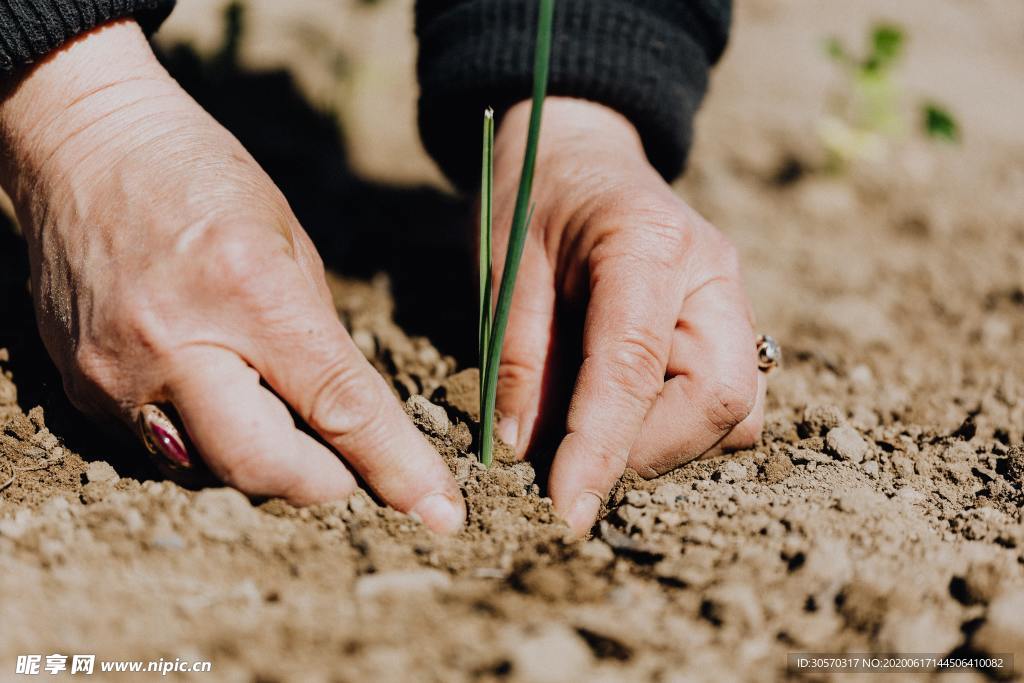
<point>880,513</point>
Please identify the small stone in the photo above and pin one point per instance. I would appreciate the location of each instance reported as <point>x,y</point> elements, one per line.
<point>461,393</point>
<point>926,631</point>
<point>776,468</point>
<point>668,493</point>
<point>163,537</point>
<point>222,514</point>
<point>801,456</point>
<point>677,570</point>
<point>553,654</point>
<point>460,436</point>
<point>1003,629</point>
<point>428,356</point>
<point>981,582</point>
<point>597,551</point>
<point>735,605</point>
<point>820,419</point>
<point>133,520</point>
<point>401,583</point>
<point>101,471</point>
<point>903,465</point>
<point>45,440</point>
<point>731,472</point>
<point>631,516</point>
<point>793,545</point>
<point>638,498</point>
<point>911,495</point>
<point>699,534</point>
<point>861,377</point>
<point>1015,464</point>
<point>431,417</point>
<point>16,526</point>
<point>858,499</point>
<point>8,392</point>
<point>670,518</point>
<point>847,443</point>
<point>57,506</point>
<point>871,468</point>
<point>360,504</point>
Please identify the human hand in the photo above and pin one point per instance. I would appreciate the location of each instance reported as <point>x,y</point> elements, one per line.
<point>167,267</point>
<point>667,368</point>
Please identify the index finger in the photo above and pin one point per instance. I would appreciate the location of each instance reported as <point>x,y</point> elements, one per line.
<point>636,292</point>
<point>306,355</point>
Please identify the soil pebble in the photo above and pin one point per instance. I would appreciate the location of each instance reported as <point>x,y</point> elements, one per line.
<point>776,468</point>
<point>847,443</point>
<point>401,583</point>
<point>430,417</point>
<point>1003,629</point>
<point>461,394</point>
<point>222,514</point>
<point>1015,464</point>
<point>101,472</point>
<point>819,419</point>
<point>555,653</point>
<point>731,472</point>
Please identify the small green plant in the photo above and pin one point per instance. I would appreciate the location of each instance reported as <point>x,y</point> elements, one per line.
<point>494,321</point>
<point>868,114</point>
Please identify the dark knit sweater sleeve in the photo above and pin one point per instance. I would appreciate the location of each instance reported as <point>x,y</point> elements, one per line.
<point>30,29</point>
<point>647,59</point>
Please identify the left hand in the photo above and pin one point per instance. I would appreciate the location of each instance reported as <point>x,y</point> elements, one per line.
<point>668,368</point>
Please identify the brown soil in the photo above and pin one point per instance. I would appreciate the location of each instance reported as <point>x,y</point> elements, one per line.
<point>880,513</point>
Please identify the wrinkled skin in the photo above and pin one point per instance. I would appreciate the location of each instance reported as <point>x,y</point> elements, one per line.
<point>167,267</point>
<point>668,367</point>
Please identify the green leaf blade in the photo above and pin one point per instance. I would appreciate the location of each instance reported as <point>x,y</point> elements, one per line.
<point>520,225</point>
<point>486,246</point>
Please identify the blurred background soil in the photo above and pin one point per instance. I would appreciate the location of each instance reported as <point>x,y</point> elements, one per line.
<point>880,513</point>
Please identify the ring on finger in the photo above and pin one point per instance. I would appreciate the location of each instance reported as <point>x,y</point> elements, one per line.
<point>769,354</point>
<point>161,437</point>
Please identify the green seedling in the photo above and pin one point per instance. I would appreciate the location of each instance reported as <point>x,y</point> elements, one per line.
<point>868,115</point>
<point>494,322</point>
<point>939,124</point>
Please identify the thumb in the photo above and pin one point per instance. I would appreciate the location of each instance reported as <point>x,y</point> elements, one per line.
<point>525,353</point>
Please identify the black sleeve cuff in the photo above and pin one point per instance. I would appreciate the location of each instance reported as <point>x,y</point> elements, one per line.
<point>31,29</point>
<point>647,59</point>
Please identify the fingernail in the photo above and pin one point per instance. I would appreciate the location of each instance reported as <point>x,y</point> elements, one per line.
<point>584,513</point>
<point>440,512</point>
<point>508,430</point>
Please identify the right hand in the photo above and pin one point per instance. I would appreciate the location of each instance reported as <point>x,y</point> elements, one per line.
<point>167,267</point>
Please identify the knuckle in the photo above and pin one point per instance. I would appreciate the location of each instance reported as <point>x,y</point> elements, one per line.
<point>236,260</point>
<point>515,372</point>
<point>637,366</point>
<point>347,403</point>
<point>650,226</point>
<point>140,323</point>
<point>669,237</point>
<point>729,404</point>
<point>658,239</point>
